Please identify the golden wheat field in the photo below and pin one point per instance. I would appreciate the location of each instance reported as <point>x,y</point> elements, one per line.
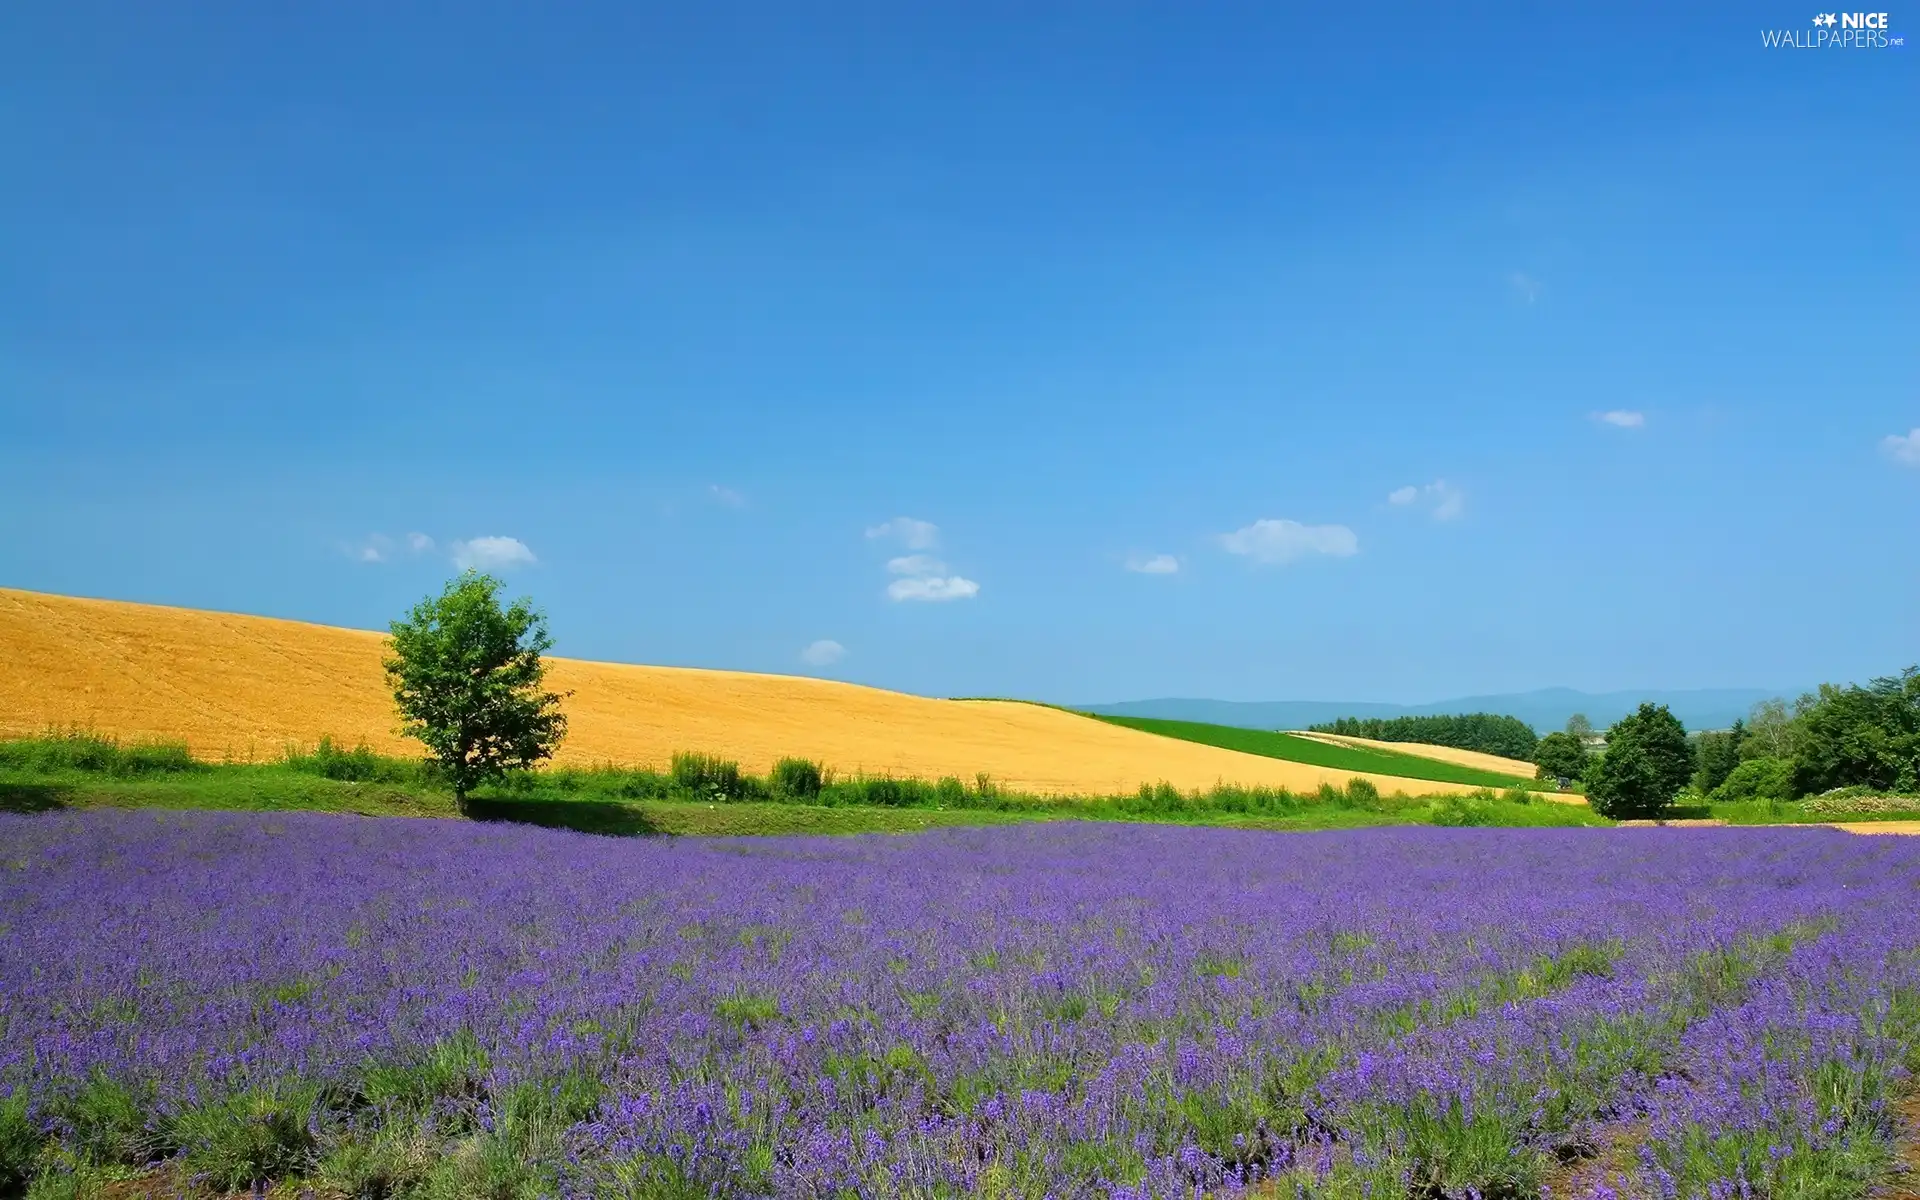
<point>1448,754</point>
<point>245,687</point>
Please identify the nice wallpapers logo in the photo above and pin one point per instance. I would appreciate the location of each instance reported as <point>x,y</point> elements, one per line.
<point>1836,31</point>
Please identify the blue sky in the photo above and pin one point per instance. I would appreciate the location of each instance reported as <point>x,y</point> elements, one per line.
<point>913,328</point>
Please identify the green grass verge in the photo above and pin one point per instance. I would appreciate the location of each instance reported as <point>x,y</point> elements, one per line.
<point>1323,754</point>
<point>701,795</point>
<point>266,789</point>
<point>1792,812</point>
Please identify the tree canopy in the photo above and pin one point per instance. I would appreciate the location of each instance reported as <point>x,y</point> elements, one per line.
<point>1718,753</point>
<point>1646,763</point>
<point>1860,736</point>
<point>467,678</point>
<point>1560,756</point>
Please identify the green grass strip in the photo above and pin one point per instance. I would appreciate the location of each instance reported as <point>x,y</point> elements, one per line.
<point>1290,748</point>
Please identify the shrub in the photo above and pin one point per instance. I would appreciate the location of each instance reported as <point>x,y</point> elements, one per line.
<point>391,1159</point>
<point>1465,811</point>
<point>709,775</point>
<point>1854,802</point>
<point>644,785</point>
<point>95,755</point>
<point>449,1076</point>
<point>107,1123</point>
<point>258,1135</point>
<point>1757,779</point>
<point>1362,794</point>
<point>358,765</point>
<point>798,778</point>
<point>885,791</point>
<point>1647,761</point>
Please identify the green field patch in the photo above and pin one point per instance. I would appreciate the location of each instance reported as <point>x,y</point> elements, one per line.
<point>1290,748</point>
<point>748,1010</point>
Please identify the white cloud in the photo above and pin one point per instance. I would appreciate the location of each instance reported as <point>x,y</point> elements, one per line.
<point>1158,564</point>
<point>1526,285</point>
<point>1443,499</point>
<point>933,587</point>
<point>1621,418</point>
<point>491,553</point>
<point>1282,541</point>
<point>916,564</point>
<point>823,653</point>
<point>379,548</point>
<point>1903,450</point>
<point>726,496</point>
<point>924,577</point>
<point>914,534</point>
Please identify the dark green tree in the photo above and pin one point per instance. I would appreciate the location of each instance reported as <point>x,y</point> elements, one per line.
<point>1718,753</point>
<point>1560,756</point>
<point>1860,736</point>
<point>1646,763</point>
<point>466,675</point>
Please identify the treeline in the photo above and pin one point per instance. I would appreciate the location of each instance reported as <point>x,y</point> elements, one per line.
<point>1489,733</point>
<point>1852,737</point>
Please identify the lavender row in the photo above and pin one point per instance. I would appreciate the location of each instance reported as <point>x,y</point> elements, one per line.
<point>1062,1010</point>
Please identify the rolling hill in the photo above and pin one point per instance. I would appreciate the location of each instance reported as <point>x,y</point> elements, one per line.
<point>244,687</point>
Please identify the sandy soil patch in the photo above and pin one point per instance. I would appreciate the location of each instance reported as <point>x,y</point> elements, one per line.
<point>244,687</point>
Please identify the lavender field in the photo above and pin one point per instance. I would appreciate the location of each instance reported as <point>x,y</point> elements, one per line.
<point>360,1007</point>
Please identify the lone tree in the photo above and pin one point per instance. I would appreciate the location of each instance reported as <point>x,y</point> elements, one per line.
<point>1560,756</point>
<point>466,676</point>
<point>1646,763</point>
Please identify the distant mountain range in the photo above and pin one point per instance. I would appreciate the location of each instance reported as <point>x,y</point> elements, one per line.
<point>1545,710</point>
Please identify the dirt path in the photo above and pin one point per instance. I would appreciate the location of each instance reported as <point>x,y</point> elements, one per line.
<point>1904,1183</point>
<point>1612,1163</point>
